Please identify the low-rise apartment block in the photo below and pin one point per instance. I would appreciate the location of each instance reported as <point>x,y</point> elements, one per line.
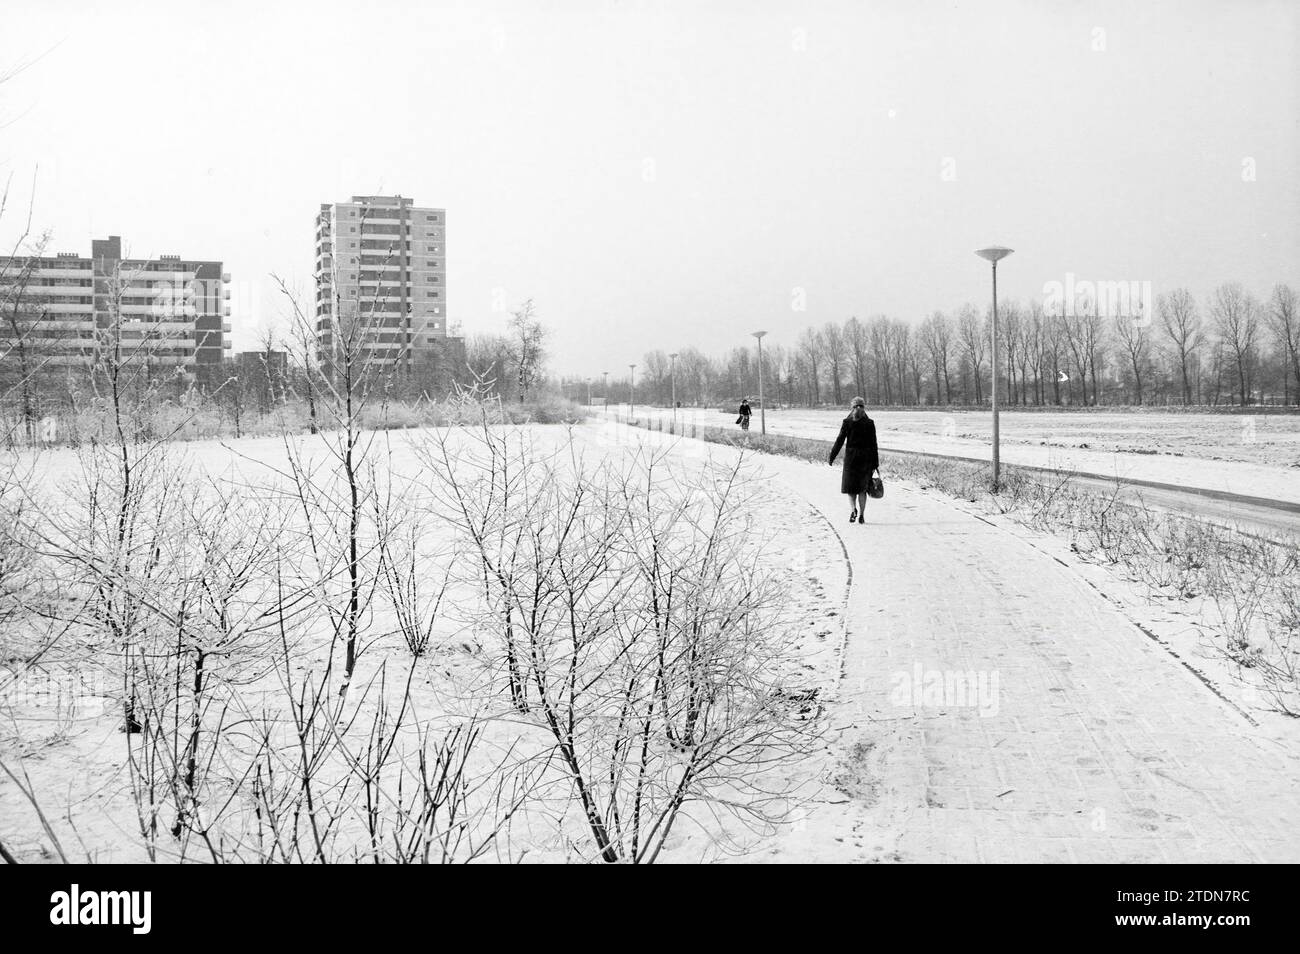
<point>66,309</point>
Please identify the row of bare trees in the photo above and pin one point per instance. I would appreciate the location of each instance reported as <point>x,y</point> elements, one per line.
<point>1232,348</point>
<point>511,365</point>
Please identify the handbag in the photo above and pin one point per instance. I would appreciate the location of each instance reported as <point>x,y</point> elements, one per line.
<point>875,487</point>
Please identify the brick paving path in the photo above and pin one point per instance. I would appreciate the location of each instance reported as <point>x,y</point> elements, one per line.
<point>1093,744</point>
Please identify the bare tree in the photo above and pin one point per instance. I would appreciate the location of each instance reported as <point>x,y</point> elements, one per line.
<point>1012,330</point>
<point>882,357</point>
<point>1236,316</point>
<point>898,341</point>
<point>811,349</point>
<point>936,337</point>
<point>29,329</point>
<point>1082,325</point>
<point>858,342</point>
<point>1092,337</point>
<point>528,338</point>
<point>1034,352</point>
<point>835,348</point>
<point>1055,359</point>
<point>1286,325</point>
<point>655,380</point>
<point>303,348</point>
<point>1136,343</point>
<point>489,359</point>
<point>270,384</point>
<point>1182,327</point>
<point>915,365</point>
<point>974,342</point>
<point>693,376</point>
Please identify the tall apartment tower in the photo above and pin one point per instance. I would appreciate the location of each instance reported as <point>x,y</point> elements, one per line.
<point>381,278</point>
<point>66,308</point>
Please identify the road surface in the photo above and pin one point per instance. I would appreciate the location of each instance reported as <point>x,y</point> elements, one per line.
<point>1256,498</point>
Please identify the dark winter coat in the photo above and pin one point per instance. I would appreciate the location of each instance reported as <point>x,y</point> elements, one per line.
<point>861,456</point>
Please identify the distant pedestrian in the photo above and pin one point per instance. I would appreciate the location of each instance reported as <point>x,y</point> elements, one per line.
<point>861,457</point>
<point>743,419</point>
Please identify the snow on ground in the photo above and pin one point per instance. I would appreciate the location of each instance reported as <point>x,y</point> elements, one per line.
<point>1002,701</point>
<point>1255,455</point>
<point>986,698</point>
<point>62,726</point>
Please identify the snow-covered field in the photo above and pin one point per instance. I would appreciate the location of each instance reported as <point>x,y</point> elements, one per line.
<point>63,717</point>
<point>1254,455</point>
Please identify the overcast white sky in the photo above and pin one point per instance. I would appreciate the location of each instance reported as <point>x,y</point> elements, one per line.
<point>668,174</point>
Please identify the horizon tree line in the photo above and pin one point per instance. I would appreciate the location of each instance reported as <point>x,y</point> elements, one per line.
<point>1231,349</point>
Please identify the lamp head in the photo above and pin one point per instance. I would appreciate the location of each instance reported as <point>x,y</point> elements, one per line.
<point>994,253</point>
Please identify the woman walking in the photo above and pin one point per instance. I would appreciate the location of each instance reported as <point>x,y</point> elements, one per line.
<point>861,457</point>
<point>743,419</point>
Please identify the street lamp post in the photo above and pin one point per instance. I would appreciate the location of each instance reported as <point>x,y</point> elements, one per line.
<point>588,392</point>
<point>631,394</point>
<point>673,372</point>
<point>762,405</point>
<point>606,392</point>
<point>994,254</point>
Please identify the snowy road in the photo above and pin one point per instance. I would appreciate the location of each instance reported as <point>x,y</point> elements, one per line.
<point>1259,498</point>
<point>1277,479</point>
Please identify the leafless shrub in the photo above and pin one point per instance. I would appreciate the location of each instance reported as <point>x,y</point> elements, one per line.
<point>407,567</point>
<point>1281,659</point>
<point>206,602</point>
<point>1253,582</point>
<point>15,553</point>
<point>356,777</point>
<point>632,627</point>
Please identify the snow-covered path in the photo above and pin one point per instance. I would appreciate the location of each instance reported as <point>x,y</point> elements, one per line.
<point>1097,746</point>
<point>1236,477</point>
<point>1063,733</point>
